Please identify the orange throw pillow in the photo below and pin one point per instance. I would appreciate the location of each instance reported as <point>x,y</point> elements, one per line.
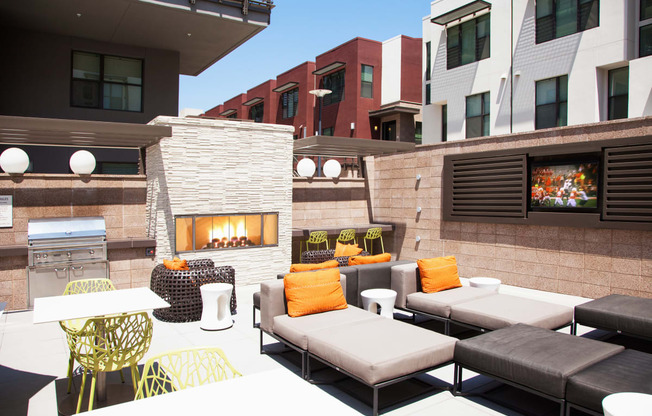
<point>438,274</point>
<point>346,250</point>
<point>176,264</point>
<point>304,267</point>
<point>378,258</point>
<point>314,292</point>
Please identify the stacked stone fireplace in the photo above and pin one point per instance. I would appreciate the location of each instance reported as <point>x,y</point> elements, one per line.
<point>222,189</point>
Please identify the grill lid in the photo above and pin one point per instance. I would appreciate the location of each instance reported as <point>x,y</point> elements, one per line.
<point>68,227</point>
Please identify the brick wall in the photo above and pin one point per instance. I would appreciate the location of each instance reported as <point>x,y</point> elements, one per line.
<point>577,261</point>
<point>222,167</point>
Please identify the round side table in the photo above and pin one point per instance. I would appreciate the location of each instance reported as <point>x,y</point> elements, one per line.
<point>627,403</point>
<point>488,283</point>
<point>216,301</point>
<point>385,298</point>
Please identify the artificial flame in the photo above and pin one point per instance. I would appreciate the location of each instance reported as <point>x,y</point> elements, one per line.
<point>228,229</point>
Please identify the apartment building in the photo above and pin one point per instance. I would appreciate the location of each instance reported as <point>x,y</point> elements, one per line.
<point>375,87</point>
<point>502,66</point>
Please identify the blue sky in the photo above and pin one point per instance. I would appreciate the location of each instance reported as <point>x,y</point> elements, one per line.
<point>299,31</point>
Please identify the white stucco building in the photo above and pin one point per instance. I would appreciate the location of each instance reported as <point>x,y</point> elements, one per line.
<point>502,66</point>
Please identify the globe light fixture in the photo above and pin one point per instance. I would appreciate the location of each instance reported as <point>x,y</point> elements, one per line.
<point>306,167</point>
<point>14,160</point>
<point>82,162</point>
<point>332,168</point>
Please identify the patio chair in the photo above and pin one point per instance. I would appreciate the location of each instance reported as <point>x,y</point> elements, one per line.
<point>346,236</point>
<point>110,344</point>
<point>374,234</point>
<point>180,369</point>
<point>316,237</point>
<point>74,288</point>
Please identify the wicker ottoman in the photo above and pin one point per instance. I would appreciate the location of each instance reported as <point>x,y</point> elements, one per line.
<point>180,288</point>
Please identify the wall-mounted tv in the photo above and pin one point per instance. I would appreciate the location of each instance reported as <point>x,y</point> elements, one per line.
<point>565,184</point>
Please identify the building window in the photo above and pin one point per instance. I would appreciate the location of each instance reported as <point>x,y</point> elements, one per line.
<point>290,103</point>
<point>389,130</point>
<point>618,93</point>
<point>477,115</point>
<point>427,94</point>
<point>428,57</point>
<point>645,30</point>
<point>107,82</point>
<point>233,115</point>
<point>646,9</point>
<point>328,131</point>
<point>367,81</point>
<point>211,232</point>
<point>418,133</point>
<point>468,42</point>
<point>551,102</point>
<point>256,112</point>
<point>557,18</point>
<point>444,122</point>
<point>335,83</point>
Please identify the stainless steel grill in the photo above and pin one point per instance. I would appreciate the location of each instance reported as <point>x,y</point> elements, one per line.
<point>64,249</point>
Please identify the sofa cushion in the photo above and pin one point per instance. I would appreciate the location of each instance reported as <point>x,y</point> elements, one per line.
<point>439,303</point>
<point>534,357</point>
<point>630,370</point>
<point>438,274</point>
<point>304,267</point>
<point>296,330</point>
<point>498,311</point>
<point>378,258</point>
<point>346,250</point>
<point>314,292</point>
<point>629,314</point>
<point>381,349</point>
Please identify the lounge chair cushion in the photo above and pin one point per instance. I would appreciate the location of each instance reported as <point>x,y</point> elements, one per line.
<point>629,314</point>
<point>296,330</point>
<point>439,303</point>
<point>381,349</point>
<point>304,267</point>
<point>498,311</point>
<point>537,358</point>
<point>630,370</point>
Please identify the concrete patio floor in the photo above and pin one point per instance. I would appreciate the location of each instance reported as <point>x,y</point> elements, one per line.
<point>33,357</point>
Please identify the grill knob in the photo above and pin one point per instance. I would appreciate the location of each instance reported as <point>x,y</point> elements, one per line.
<point>38,256</point>
<point>69,254</point>
<point>91,251</point>
<point>45,255</point>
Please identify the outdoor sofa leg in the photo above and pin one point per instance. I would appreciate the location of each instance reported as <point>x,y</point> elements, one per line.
<point>457,379</point>
<point>261,341</point>
<point>447,327</point>
<point>574,328</point>
<point>562,410</point>
<point>375,404</point>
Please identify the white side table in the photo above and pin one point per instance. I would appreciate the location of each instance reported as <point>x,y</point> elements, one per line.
<point>385,298</point>
<point>216,311</point>
<point>627,404</point>
<point>485,283</point>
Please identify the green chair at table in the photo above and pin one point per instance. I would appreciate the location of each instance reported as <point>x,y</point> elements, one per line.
<point>347,236</point>
<point>316,237</point>
<point>180,369</point>
<point>373,234</point>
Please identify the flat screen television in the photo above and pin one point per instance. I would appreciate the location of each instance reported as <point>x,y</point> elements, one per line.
<point>566,185</point>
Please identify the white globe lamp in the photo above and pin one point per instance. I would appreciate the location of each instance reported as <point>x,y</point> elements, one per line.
<point>332,168</point>
<point>82,162</point>
<point>14,160</point>
<point>306,167</point>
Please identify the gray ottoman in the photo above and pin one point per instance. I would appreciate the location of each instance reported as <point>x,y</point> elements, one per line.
<point>628,371</point>
<point>629,315</point>
<point>537,359</point>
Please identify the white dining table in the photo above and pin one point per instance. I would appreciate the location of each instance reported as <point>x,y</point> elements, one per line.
<point>271,392</point>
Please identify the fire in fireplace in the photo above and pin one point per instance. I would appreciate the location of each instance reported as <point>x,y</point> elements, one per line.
<point>210,232</point>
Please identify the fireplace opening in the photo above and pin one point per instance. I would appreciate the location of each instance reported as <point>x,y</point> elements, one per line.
<point>220,231</point>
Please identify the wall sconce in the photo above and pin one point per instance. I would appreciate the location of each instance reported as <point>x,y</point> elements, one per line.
<point>306,167</point>
<point>418,177</point>
<point>14,161</point>
<point>82,162</point>
<point>418,239</point>
<point>503,76</point>
<point>517,73</point>
<point>332,168</point>
<point>418,210</point>
<point>352,126</point>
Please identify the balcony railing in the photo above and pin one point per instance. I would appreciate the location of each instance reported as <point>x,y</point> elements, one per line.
<point>264,6</point>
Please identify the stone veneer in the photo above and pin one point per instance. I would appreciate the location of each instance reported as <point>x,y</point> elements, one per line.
<point>577,261</point>
<point>222,167</point>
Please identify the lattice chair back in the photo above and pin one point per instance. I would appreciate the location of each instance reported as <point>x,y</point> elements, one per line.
<point>316,237</point>
<point>180,369</point>
<point>373,234</point>
<point>346,236</point>
<point>109,344</point>
<point>88,286</point>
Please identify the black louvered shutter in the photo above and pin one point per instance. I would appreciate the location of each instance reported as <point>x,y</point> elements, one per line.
<point>628,184</point>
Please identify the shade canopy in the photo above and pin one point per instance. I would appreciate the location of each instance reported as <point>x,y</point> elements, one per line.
<point>348,147</point>
<point>461,12</point>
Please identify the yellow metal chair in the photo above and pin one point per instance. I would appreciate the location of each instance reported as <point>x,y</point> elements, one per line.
<point>347,236</point>
<point>180,369</point>
<point>316,237</point>
<point>110,344</point>
<point>74,288</point>
<point>373,234</point>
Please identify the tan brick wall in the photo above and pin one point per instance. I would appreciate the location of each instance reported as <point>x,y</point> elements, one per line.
<point>578,261</point>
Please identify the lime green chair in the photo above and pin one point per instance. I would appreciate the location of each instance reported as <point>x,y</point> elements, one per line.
<point>74,288</point>
<point>347,236</point>
<point>316,237</point>
<point>110,344</point>
<point>373,234</point>
<point>180,369</point>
